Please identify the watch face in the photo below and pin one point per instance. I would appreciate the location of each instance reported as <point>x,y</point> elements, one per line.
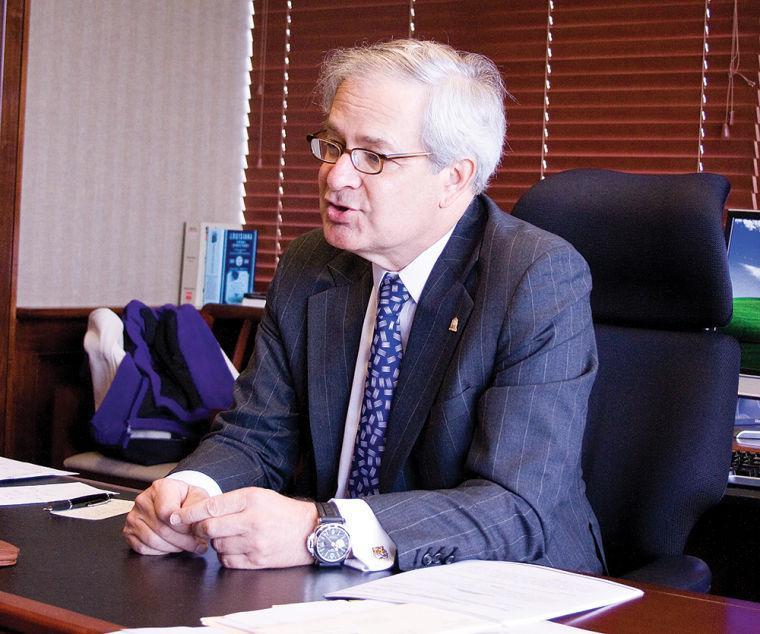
<point>332,543</point>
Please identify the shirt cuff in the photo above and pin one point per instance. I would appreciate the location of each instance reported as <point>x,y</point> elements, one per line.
<point>371,548</point>
<point>198,479</point>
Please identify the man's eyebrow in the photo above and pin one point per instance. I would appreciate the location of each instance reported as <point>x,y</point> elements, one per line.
<point>366,140</point>
<point>374,141</point>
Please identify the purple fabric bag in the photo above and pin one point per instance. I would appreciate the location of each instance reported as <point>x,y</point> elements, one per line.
<point>172,380</point>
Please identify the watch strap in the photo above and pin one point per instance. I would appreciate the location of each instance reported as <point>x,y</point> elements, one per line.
<point>328,513</point>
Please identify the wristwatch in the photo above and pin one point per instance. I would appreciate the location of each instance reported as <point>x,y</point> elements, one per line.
<point>330,542</point>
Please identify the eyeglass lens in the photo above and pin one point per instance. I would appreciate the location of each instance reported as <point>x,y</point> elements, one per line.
<point>363,160</point>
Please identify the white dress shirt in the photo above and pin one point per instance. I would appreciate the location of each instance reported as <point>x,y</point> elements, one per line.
<point>371,547</point>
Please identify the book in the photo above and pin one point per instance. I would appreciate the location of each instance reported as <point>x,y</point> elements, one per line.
<point>218,264</point>
<point>256,300</point>
<point>188,280</point>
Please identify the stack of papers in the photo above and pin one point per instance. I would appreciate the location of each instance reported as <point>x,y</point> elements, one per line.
<point>368,617</point>
<point>16,470</point>
<point>469,597</point>
<point>44,493</point>
<point>12,470</point>
<point>502,592</point>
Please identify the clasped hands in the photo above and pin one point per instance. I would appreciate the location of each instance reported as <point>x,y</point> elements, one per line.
<point>248,528</point>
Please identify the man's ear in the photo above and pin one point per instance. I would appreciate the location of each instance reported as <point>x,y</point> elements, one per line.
<point>458,182</point>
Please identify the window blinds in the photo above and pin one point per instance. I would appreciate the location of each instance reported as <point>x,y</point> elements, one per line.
<point>631,85</point>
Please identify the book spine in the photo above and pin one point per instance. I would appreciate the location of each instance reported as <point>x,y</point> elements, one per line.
<point>188,290</point>
<point>200,271</point>
<point>214,264</point>
<point>239,264</point>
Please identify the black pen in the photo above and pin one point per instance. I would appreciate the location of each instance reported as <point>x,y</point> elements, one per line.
<point>78,503</point>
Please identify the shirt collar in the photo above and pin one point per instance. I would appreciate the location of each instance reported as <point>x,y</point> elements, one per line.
<point>415,274</point>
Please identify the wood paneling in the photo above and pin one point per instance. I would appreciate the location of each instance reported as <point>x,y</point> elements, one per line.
<point>15,27</point>
<point>51,397</point>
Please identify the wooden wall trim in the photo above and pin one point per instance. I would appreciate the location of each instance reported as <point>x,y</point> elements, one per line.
<point>65,314</point>
<point>15,28</point>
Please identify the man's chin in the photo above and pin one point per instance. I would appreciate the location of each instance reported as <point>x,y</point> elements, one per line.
<point>340,236</point>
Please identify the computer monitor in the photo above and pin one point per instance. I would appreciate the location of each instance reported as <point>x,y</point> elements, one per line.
<point>743,242</point>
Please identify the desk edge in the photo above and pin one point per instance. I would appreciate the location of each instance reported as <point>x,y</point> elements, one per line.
<point>28,615</point>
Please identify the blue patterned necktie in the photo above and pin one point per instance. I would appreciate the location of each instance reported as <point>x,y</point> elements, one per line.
<point>382,376</point>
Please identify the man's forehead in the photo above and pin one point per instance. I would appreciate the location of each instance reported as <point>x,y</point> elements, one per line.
<point>375,110</point>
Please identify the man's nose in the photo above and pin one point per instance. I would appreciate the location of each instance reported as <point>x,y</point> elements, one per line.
<point>343,173</point>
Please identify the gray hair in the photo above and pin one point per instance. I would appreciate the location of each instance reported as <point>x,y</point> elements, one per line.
<point>465,113</point>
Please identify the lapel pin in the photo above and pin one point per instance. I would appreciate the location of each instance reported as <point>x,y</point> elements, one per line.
<point>454,325</point>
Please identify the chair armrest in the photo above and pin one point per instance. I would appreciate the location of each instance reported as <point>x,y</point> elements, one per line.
<point>684,572</point>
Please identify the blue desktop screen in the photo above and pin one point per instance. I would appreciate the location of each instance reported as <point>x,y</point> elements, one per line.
<point>743,233</point>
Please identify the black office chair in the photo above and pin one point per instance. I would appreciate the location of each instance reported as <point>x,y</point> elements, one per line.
<point>657,446</point>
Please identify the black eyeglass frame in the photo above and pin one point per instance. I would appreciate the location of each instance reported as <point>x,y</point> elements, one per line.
<point>351,152</point>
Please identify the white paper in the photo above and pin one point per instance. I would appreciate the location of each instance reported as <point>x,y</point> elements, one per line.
<point>42,493</point>
<point>368,617</point>
<point>287,613</point>
<point>99,511</point>
<point>173,630</point>
<point>499,591</point>
<point>16,470</point>
<point>541,627</point>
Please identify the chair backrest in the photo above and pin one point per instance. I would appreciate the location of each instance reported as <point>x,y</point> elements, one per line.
<point>657,446</point>
<point>235,327</point>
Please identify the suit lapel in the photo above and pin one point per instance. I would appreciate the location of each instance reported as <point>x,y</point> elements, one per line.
<point>432,341</point>
<point>334,324</point>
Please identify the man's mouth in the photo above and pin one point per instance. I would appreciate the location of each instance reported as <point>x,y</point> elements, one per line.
<point>334,207</point>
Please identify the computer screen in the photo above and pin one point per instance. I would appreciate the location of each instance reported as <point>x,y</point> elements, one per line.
<point>743,241</point>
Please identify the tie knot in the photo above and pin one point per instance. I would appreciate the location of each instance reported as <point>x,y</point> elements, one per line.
<point>393,294</point>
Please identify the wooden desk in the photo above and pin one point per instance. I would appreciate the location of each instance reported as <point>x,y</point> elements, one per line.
<point>70,568</point>
<point>666,611</point>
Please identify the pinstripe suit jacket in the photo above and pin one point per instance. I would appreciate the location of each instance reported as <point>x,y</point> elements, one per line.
<point>483,444</point>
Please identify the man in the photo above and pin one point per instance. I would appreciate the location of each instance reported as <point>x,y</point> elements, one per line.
<point>446,425</point>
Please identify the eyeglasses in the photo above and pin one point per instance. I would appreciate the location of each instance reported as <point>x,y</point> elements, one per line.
<point>365,161</point>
